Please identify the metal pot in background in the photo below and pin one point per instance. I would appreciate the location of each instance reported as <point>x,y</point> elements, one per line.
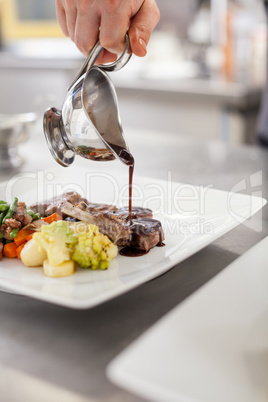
<point>14,130</point>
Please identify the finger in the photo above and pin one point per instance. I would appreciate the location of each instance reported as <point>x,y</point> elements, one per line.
<point>106,57</point>
<point>141,27</point>
<point>71,15</point>
<point>86,31</point>
<point>61,16</point>
<point>114,26</point>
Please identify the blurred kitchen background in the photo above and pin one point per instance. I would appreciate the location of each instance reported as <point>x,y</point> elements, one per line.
<point>203,75</point>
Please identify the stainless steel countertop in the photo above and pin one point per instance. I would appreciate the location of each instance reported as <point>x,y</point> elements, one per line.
<point>63,353</point>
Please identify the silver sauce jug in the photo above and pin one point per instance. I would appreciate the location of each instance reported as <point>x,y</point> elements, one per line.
<point>89,123</point>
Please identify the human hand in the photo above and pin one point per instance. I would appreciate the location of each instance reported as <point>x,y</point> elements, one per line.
<point>86,21</point>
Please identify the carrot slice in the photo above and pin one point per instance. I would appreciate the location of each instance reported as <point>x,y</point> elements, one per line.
<point>21,236</point>
<point>28,238</point>
<point>52,218</point>
<point>19,249</point>
<point>9,250</point>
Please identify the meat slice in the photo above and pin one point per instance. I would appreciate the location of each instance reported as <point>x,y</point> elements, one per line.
<point>6,232</point>
<point>13,223</point>
<point>95,208</point>
<point>56,204</point>
<point>136,212</point>
<point>144,233</point>
<point>117,231</point>
<point>20,214</point>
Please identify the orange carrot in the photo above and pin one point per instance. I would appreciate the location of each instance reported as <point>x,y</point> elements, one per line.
<point>28,238</point>
<point>9,250</point>
<point>21,236</point>
<point>19,249</point>
<point>52,218</point>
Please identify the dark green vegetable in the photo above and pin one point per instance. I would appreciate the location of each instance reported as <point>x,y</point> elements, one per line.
<point>2,216</point>
<point>4,207</point>
<point>3,202</point>
<point>8,241</point>
<point>1,235</point>
<point>14,233</point>
<point>35,216</point>
<point>32,214</point>
<point>11,210</point>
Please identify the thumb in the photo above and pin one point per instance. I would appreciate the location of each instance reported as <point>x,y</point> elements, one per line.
<point>141,27</point>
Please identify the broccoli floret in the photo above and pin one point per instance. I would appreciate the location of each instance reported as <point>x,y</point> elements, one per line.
<point>58,240</point>
<point>94,250</point>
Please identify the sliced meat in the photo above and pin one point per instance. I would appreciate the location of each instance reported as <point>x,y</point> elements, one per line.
<point>20,214</point>
<point>13,223</point>
<point>144,233</point>
<point>36,225</point>
<point>95,208</point>
<point>27,219</point>
<point>117,231</point>
<point>56,204</point>
<point>3,227</point>
<point>6,233</point>
<point>136,212</point>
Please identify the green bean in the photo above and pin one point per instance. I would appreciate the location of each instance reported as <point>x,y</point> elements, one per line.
<point>4,207</point>
<point>3,202</point>
<point>32,214</point>
<point>14,233</point>
<point>38,215</point>
<point>2,216</point>
<point>11,210</point>
<point>1,235</point>
<point>8,241</point>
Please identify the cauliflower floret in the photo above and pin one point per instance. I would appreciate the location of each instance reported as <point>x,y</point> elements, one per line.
<point>94,250</point>
<point>57,240</point>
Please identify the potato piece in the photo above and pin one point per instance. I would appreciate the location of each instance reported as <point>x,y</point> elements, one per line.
<point>58,271</point>
<point>32,255</point>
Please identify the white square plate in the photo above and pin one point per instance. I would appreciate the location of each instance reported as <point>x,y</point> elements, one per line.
<point>212,347</point>
<point>192,217</point>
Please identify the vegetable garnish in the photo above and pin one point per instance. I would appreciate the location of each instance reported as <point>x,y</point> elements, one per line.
<point>9,250</point>
<point>22,236</point>
<point>52,218</point>
<point>94,250</point>
<point>59,245</point>
<point>11,210</point>
<point>57,240</point>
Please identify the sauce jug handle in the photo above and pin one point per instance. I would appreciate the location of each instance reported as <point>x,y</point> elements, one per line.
<point>93,55</point>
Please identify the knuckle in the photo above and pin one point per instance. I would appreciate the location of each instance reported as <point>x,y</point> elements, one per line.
<point>108,43</point>
<point>112,6</point>
<point>83,6</point>
<point>69,5</point>
<point>112,45</point>
<point>143,31</point>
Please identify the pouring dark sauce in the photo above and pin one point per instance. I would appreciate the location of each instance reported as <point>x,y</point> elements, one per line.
<point>126,157</point>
